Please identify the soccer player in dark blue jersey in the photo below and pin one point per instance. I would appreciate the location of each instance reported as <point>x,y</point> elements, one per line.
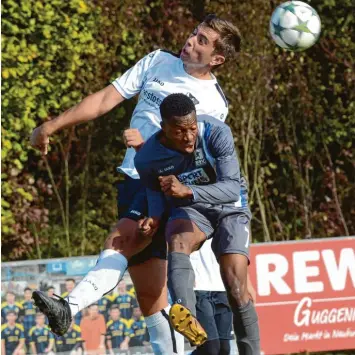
<point>191,169</point>
<point>10,305</point>
<point>71,342</point>
<point>139,333</point>
<point>41,338</point>
<point>12,336</point>
<point>125,300</point>
<point>117,331</point>
<point>29,311</point>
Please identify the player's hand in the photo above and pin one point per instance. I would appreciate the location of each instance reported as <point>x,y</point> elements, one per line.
<point>132,138</point>
<point>124,346</point>
<point>147,227</point>
<point>171,186</point>
<point>40,138</point>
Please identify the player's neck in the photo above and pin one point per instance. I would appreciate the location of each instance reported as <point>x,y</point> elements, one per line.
<point>11,325</point>
<point>202,73</point>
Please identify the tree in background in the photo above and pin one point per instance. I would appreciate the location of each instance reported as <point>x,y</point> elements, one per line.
<point>292,114</point>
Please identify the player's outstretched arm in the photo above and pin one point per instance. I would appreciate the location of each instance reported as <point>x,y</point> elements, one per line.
<point>93,106</point>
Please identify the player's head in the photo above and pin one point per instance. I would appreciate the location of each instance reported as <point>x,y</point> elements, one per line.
<point>122,287</point>
<point>179,123</point>
<point>27,293</point>
<point>115,312</point>
<point>69,284</point>
<point>212,43</point>
<point>40,319</point>
<point>11,317</point>
<point>50,291</point>
<point>93,310</point>
<point>10,297</point>
<point>137,313</point>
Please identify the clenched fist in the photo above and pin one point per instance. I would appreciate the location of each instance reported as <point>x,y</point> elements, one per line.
<point>132,138</point>
<point>40,139</point>
<point>171,186</point>
<point>147,227</point>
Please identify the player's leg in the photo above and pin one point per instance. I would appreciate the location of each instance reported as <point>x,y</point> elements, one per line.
<point>205,313</point>
<point>122,243</point>
<point>186,230</point>
<point>231,244</point>
<point>224,321</point>
<point>148,271</point>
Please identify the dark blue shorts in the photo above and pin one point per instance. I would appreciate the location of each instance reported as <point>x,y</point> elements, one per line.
<point>214,314</point>
<point>132,204</point>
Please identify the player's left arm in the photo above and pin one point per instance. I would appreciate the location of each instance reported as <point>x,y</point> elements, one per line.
<point>226,189</point>
<point>51,343</point>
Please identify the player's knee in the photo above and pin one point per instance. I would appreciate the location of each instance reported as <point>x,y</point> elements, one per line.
<point>121,235</point>
<point>236,284</point>
<point>179,243</point>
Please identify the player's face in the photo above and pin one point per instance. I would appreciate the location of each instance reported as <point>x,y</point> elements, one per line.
<point>40,320</point>
<point>115,314</point>
<point>27,295</point>
<point>69,285</point>
<point>10,298</point>
<point>198,50</point>
<point>11,318</point>
<point>50,292</point>
<point>137,313</point>
<point>181,133</point>
<point>122,288</point>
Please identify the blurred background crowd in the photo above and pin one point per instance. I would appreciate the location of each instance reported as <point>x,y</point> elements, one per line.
<point>111,326</point>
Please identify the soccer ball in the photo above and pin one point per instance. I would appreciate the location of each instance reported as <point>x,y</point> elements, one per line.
<point>295,26</point>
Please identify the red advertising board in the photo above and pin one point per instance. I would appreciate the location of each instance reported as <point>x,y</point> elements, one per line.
<point>305,295</point>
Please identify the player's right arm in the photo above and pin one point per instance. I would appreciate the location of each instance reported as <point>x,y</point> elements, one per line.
<point>92,107</point>
<point>3,349</point>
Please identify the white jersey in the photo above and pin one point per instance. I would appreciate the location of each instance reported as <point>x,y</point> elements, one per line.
<point>154,77</point>
<point>206,268</point>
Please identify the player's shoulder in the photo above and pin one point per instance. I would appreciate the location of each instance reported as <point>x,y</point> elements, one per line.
<point>32,330</point>
<point>19,326</point>
<point>4,304</point>
<point>65,294</point>
<point>110,322</point>
<point>4,326</point>
<point>76,328</point>
<point>147,151</point>
<point>19,304</point>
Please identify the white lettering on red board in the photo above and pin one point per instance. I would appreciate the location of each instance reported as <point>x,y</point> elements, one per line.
<point>305,316</point>
<point>271,270</point>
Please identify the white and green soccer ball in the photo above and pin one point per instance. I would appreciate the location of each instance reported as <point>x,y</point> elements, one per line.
<point>295,26</point>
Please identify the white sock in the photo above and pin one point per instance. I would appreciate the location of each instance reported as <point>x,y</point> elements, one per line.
<point>103,278</point>
<point>164,339</point>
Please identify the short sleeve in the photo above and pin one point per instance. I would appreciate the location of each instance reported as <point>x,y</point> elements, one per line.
<point>132,81</point>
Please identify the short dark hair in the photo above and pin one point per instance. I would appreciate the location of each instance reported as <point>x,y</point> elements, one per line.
<point>27,289</point>
<point>12,312</point>
<point>70,280</point>
<point>114,306</point>
<point>176,105</point>
<point>50,288</point>
<point>10,293</point>
<point>228,43</point>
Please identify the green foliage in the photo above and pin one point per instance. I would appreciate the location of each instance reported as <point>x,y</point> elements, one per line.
<point>292,114</point>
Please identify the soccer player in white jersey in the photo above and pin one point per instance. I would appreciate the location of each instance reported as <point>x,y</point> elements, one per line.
<point>154,77</point>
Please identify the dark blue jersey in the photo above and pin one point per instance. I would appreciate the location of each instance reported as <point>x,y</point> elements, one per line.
<point>126,303</point>
<point>29,315</point>
<point>211,171</point>
<point>116,331</point>
<point>138,332</point>
<point>5,307</point>
<point>40,337</point>
<point>70,340</point>
<point>12,336</point>
<point>104,304</point>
